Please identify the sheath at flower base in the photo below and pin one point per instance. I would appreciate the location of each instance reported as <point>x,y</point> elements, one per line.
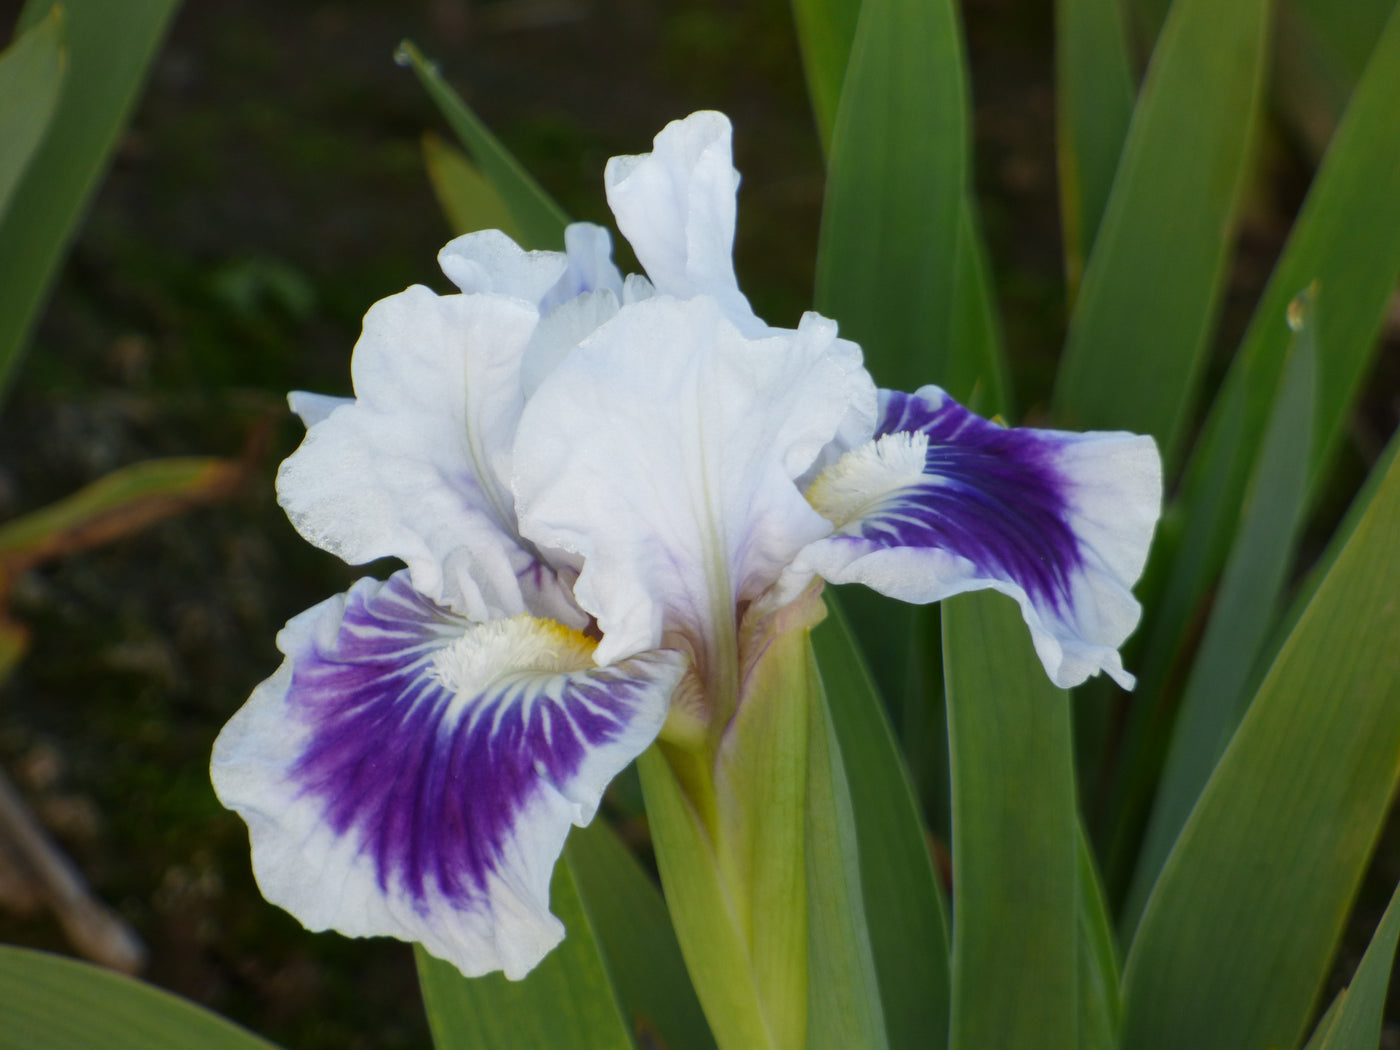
<point>602,491</point>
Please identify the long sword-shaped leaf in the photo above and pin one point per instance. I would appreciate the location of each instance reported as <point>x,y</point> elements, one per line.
<point>1148,302</point>
<point>1235,940</point>
<point>904,909</point>
<point>1348,31</point>
<point>109,48</point>
<point>896,178</point>
<point>825,29</point>
<point>844,1008</point>
<point>1094,89</point>
<point>567,1000</point>
<point>48,1002</point>
<point>1016,905</point>
<point>1246,607</point>
<point>1360,504</point>
<point>467,198</point>
<point>976,371</point>
<point>974,368</point>
<point>633,930</point>
<point>31,77</point>
<point>1354,1020</point>
<point>1347,239</point>
<point>540,219</point>
<point>1100,977</point>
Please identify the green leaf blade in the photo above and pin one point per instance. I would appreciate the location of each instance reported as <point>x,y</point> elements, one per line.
<point>567,1000</point>
<point>844,1006</point>
<point>1347,240</point>
<point>1235,940</point>
<point>466,197</point>
<point>1354,1022</point>
<point>110,47</point>
<point>628,916</point>
<point>886,267</point>
<point>1094,93</point>
<point>1245,608</point>
<point>904,908</point>
<point>31,78</point>
<point>1145,310</point>
<point>540,219</point>
<point>1100,976</point>
<point>1015,832</point>
<point>48,1002</point>
<point>825,29</point>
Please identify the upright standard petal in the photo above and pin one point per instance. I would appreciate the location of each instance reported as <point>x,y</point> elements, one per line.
<point>413,468</point>
<point>489,261</point>
<point>676,207</point>
<point>941,501</point>
<point>662,454</point>
<point>409,773</point>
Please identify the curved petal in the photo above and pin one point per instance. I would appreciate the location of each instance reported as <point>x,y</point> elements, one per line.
<point>676,207</point>
<point>489,261</point>
<point>413,468</point>
<point>943,501</point>
<point>312,408</point>
<point>590,269</point>
<point>662,452</point>
<point>409,773</point>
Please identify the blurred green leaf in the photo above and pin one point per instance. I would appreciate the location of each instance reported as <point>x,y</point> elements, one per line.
<point>629,919</point>
<point>1347,239</point>
<point>31,79</point>
<point>1353,1022</point>
<point>115,505</point>
<point>466,196</point>
<point>540,220</point>
<point>48,1002</point>
<point>844,1006</point>
<point>825,29</point>
<point>110,46</point>
<point>974,369</point>
<point>1347,31</point>
<point>1148,302</point>
<point>897,173</point>
<point>1100,979</point>
<point>1244,611</point>
<point>904,908</point>
<point>1324,1025</point>
<point>1234,943</point>
<point>1360,503</point>
<point>567,1000</point>
<point>1094,89</point>
<point>1015,868</point>
<point>976,372</point>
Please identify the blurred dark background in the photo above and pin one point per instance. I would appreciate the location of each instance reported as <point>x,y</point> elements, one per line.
<point>269,189</point>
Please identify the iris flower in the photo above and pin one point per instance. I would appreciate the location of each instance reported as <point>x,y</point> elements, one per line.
<point>601,490</point>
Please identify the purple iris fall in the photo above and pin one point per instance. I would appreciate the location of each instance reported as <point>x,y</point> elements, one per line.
<point>592,481</point>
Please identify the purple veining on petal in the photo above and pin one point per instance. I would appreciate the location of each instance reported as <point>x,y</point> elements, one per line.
<point>432,789</point>
<point>990,494</point>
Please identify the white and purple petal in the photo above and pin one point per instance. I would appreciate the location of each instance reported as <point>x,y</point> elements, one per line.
<point>676,207</point>
<point>661,454</point>
<point>414,468</point>
<point>409,773</point>
<point>941,501</point>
